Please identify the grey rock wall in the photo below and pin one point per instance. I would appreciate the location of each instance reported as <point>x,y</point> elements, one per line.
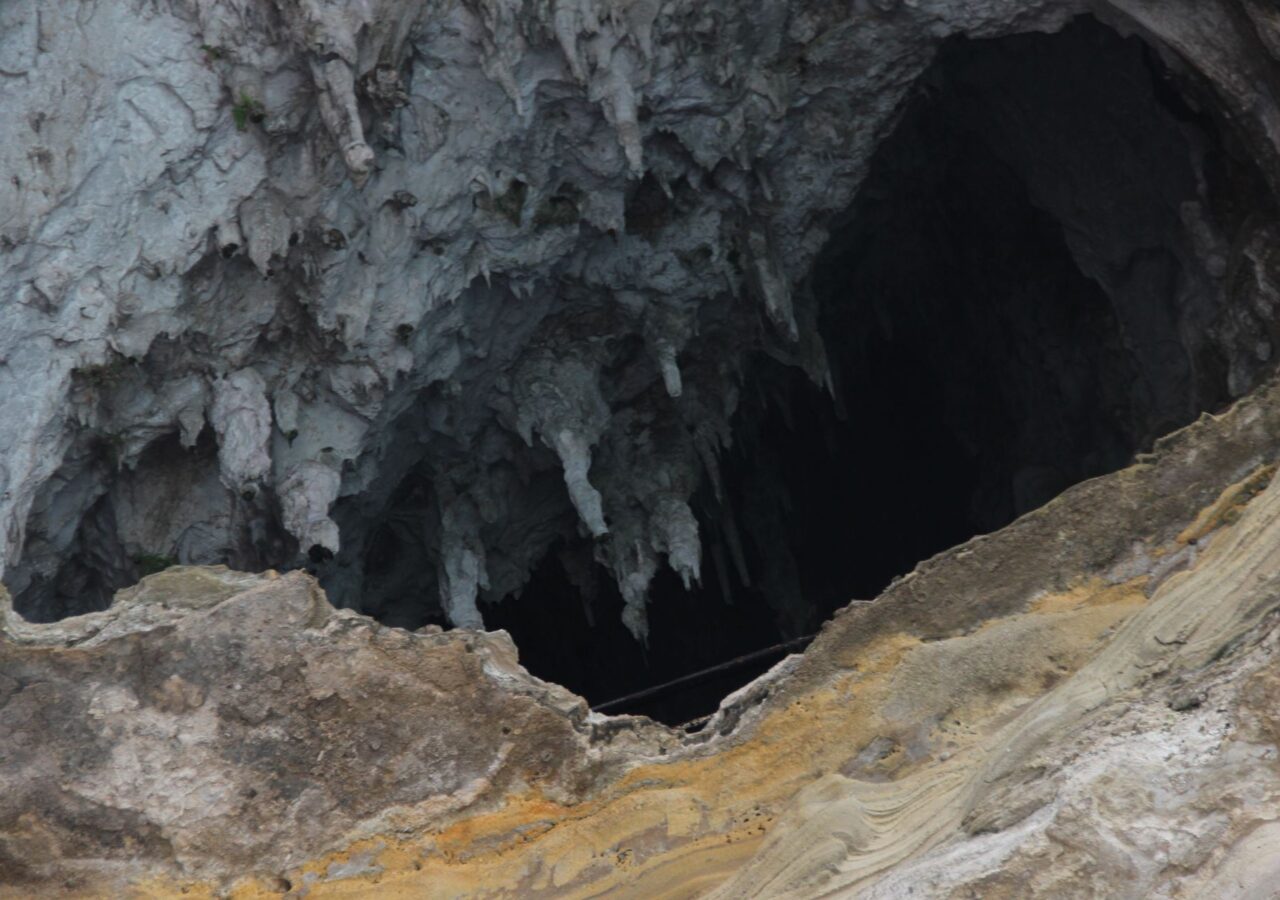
<point>261,261</point>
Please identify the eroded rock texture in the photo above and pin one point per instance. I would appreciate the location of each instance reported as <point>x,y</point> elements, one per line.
<point>420,292</point>
<point>1083,704</point>
<point>433,298</point>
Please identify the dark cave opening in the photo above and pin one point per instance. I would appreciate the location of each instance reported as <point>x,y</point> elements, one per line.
<point>1011,306</point>
<point>1039,276</point>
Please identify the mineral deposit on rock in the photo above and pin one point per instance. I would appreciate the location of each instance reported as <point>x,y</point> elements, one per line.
<point>334,317</point>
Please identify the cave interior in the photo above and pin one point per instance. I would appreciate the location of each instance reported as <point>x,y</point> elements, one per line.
<point>1020,297</point>
<point>1010,307</point>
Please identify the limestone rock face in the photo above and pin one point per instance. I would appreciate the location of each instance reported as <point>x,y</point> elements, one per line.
<point>412,293</point>
<point>1083,704</point>
<point>299,252</point>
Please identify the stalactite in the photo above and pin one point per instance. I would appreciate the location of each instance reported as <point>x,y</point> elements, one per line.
<point>572,248</point>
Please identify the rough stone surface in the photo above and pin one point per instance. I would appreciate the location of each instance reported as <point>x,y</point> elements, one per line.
<point>1088,714</point>
<point>212,719</point>
<point>495,243</point>
<point>487,275</point>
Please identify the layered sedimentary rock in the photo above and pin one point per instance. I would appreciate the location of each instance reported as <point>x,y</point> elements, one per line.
<point>1083,704</point>
<point>418,296</point>
<point>415,291</point>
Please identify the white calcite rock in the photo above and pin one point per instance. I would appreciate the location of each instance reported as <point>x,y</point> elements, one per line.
<point>413,232</point>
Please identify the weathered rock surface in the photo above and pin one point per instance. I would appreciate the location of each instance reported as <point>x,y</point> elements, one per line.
<point>519,254</point>
<point>1083,704</point>
<point>453,283</point>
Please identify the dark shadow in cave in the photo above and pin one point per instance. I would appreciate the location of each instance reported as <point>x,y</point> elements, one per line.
<point>101,560</point>
<point>1010,307</point>
<point>1014,303</point>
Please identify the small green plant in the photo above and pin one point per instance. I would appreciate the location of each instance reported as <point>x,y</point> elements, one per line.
<point>247,110</point>
<point>151,563</point>
<point>212,53</point>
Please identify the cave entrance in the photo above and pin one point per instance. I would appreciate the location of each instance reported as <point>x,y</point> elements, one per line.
<point>1014,303</point>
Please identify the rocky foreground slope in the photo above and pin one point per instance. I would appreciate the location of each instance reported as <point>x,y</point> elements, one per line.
<point>406,300</point>
<point>1086,703</point>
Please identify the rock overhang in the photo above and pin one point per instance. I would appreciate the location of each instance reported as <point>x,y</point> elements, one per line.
<point>426,242</point>
<point>339,320</point>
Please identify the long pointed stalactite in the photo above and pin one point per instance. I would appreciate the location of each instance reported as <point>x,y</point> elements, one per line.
<point>408,411</point>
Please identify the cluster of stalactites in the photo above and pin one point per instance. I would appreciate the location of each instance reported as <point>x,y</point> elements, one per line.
<point>325,213</point>
<point>629,474</point>
<point>558,399</point>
